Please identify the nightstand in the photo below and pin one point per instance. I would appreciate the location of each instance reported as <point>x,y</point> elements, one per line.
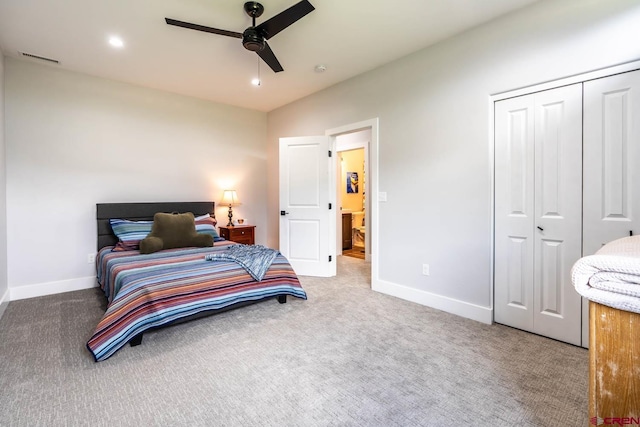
<point>240,233</point>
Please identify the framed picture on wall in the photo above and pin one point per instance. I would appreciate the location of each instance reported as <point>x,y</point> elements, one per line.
<point>352,182</point>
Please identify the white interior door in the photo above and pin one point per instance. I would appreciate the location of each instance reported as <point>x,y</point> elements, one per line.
<point>514,212</point>
<point>558,220</point>
<point>611,164</point>
<point>538,210</point>
<point>305,213</point>
<point>611,159</point>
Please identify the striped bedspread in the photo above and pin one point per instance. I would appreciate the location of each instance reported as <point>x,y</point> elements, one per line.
<point>147,291</point>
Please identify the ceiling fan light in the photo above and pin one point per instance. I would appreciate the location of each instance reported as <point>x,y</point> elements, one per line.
<point>116,41</point>
<point>255,82</point>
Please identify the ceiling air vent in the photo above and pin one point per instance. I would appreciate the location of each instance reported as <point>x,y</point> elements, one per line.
<point>42,58</point>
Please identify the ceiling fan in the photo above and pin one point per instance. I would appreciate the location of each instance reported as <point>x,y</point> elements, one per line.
<point>254,38</point>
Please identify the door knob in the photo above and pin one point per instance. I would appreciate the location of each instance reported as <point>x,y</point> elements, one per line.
<point>540,228</point>
<point>283,213</point>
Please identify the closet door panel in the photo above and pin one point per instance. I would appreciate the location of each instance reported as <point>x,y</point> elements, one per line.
<point>514,212</point>
<point>551,277</point>
<point>611,159</point>
<point>558,212</point>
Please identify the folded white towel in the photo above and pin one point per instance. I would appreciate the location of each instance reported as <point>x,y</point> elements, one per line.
<point>611,276</point>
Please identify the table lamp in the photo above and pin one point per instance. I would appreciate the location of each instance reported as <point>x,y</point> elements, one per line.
<point>230,197</point>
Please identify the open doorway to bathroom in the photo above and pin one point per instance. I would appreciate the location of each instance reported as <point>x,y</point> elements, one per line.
<point>351,191</point>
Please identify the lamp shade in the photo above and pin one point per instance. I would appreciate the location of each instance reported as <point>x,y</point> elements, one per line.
<point>230,197</point>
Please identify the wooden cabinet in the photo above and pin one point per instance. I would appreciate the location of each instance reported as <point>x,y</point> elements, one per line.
<point>244,234</point>
<point>346,231</point>
<point>614,366</point>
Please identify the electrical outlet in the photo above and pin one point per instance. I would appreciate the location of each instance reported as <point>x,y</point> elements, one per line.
<point>91,258</point>
<point>425,269</point>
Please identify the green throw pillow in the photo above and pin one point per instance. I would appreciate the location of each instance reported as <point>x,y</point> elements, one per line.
<point>171,231</point>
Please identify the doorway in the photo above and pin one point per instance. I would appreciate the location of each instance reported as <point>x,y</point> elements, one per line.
<point>352,151</point>
<point>364,136</point>
<point>312,242</point>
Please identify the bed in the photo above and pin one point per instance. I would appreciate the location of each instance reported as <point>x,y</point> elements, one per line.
<point>149,291</point>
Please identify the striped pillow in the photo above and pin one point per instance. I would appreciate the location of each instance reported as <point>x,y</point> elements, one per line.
<point>207,225</point>
<point>129,233</point>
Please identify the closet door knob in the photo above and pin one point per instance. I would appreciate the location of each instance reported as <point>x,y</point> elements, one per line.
<point>540,228</point>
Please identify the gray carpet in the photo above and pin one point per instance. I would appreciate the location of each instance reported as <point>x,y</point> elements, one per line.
<point>346,357</point>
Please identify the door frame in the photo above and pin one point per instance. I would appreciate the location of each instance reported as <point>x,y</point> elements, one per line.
<point>372,217</point>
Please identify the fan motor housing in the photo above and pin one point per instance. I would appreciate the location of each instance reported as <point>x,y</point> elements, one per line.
<point>252,40</point>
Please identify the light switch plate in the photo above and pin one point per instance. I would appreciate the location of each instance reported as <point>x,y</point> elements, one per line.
<point>382,196</point>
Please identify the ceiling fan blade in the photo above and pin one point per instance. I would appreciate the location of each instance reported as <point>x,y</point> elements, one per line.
<point>274,25</point>
<point>269,58</point>
<point>197,27</point>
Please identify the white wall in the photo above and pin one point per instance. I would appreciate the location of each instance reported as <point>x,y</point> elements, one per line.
<point>434,149</point>
<point>73,141</point>
<point>4,287</point>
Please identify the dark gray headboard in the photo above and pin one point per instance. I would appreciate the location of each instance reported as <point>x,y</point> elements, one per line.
<point>140,212</point>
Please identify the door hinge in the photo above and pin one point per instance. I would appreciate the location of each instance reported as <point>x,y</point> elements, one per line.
<point>329,258</point>
<point>329,205</point>
<point>329,153</point>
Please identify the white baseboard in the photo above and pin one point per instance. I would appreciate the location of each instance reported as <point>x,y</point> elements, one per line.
<point>50,288</point>
<point>4,302</point>
<point>439,302</point>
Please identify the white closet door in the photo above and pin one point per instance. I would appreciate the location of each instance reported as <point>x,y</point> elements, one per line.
<point>538,211</point>
<point>611,164</point>
<point>611,159</point>
<point>514,212</point>
<point>558,212</point>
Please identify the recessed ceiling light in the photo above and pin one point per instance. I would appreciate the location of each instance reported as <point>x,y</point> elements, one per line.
<point>255,82</point>
<point>116,41</point>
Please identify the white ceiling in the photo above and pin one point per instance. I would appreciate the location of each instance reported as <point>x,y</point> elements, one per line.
<point>348,37</point>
